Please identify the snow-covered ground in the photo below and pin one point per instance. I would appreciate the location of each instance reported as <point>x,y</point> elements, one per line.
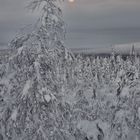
<point>49,94</point>
<point>118,49</point>
<point>127,48</point>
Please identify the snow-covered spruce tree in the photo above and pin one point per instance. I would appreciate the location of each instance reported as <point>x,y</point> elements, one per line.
<point>38,68</point>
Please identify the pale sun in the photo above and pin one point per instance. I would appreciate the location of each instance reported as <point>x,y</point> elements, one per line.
<point>71,1</point>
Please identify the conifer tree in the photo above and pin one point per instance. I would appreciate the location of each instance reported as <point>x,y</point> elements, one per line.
<point>31,87</point>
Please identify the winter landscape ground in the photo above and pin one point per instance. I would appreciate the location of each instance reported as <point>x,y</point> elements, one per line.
<point>47,92</point>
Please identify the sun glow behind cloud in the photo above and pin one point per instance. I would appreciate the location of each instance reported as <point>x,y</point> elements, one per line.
<point>71,1</point>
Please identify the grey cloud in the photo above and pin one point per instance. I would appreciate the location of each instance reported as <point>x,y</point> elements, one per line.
<point>84,18</point>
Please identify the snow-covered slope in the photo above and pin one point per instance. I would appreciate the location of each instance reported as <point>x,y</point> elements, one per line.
<point>47,94</point>
<point>96,51</point>
<point>118,48</point>
<point>127,48</point>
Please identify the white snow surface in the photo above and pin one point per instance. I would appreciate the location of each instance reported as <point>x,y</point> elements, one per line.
<point>90,128</point>
<point>47,98</point>
<point>14,115</point>
<point>26,88</point>
<point>127,48</point>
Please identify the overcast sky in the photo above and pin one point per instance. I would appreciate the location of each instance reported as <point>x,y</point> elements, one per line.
<point>90,23</point>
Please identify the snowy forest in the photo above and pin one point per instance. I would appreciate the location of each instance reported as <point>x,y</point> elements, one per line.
<point>49,93</point>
